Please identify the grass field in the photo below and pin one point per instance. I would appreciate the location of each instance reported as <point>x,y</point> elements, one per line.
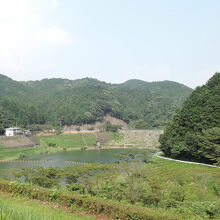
<point>68,140</point>
<point>24,209</point>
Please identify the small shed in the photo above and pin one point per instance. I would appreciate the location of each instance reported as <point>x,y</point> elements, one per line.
<point>13,131</point>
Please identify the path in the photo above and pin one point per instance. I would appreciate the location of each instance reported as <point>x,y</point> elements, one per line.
<point>183,161</point>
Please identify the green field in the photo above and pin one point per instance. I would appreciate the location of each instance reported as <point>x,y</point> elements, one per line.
<point>24,209</point>
<point>68,141</point>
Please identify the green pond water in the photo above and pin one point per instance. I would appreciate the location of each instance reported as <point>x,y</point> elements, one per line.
<point>58,159</point>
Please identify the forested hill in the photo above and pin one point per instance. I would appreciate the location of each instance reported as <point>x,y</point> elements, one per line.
<point>143,104</point>
<point>194,132</point>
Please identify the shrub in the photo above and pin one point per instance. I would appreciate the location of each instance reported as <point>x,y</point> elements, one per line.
<point>21,156</point>
<point>94,205</point>
<point>50,144</point>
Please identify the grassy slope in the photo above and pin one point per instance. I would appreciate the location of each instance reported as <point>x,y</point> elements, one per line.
<point>69,140</point>
<point>192,174</point>
<point>200,184</point>
<point>24,209</point>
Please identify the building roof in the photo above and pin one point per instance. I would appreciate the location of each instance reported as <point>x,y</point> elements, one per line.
<point>14,128</point>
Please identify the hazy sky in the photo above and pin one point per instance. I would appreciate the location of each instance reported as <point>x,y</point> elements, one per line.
<point>112,40</point>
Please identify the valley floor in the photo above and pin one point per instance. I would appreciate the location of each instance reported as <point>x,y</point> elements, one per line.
<point>68,142</point>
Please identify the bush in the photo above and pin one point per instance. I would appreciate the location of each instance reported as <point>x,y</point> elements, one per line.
<point>21,156</point>
<point>206,210</point>
<point>109,208</point>
<point>50,144</point>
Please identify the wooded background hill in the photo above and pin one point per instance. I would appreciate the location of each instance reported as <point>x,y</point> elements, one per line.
<point>194,132</point>
<point>143,104</point>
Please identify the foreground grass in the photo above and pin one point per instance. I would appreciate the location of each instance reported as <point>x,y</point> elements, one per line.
<point>24,209</point>
<point>102,208</point>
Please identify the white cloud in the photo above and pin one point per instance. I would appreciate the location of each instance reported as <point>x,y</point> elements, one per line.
<point>161,72</point>
<point>23,30</point>
<point>53,35</point>
<point>150,73</point>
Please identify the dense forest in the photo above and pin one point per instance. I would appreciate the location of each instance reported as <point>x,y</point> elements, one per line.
<point>194,132</point>
<point>51,101</point>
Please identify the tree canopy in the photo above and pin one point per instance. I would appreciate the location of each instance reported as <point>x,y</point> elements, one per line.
<point>143,104</point>
<point>194,132</point>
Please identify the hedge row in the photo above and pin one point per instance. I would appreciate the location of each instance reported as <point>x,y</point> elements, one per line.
<point>113,209</point>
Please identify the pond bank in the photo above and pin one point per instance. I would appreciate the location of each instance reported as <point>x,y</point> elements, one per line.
<point>21,153</point>
<point>69,158</point>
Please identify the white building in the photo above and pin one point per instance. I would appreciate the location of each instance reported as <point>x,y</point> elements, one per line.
<point>12,131</point>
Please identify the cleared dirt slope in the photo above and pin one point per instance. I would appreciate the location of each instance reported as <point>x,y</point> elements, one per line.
<point>18,142</point>
<point>134,138</point>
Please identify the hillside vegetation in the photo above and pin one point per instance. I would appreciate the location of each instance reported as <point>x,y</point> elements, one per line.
<point>132,189</point>
<point>194,132</point>
<point>51,101</point>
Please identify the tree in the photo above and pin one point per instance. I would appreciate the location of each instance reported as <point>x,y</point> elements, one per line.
<point>194,132</point>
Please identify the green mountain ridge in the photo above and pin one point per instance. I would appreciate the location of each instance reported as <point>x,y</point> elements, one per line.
<point>149,104</point>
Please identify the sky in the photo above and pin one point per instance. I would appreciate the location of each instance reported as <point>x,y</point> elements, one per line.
<point>111,40</point>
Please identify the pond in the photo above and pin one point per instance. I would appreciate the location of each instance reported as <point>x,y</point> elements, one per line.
<point>66,158</point>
